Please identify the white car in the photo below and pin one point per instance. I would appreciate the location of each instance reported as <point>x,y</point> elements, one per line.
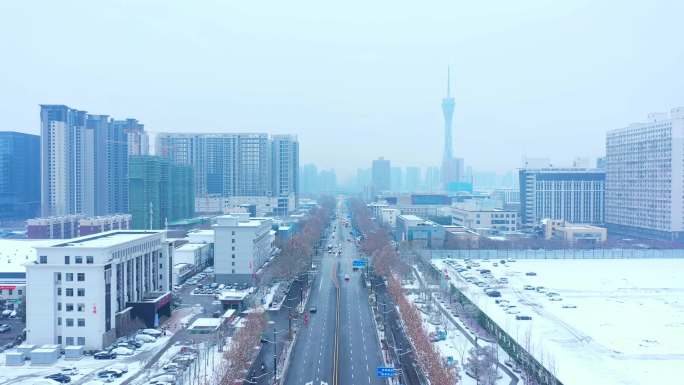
<point>152,332</point>
<point>144,338</point>
<point>121,351</point>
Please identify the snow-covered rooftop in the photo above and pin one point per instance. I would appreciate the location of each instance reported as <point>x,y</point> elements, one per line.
<point>627,326</point>
<point>15,253</point>
<point>106,239</point>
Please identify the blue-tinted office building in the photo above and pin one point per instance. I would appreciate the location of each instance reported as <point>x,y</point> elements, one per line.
<point>19,175</point>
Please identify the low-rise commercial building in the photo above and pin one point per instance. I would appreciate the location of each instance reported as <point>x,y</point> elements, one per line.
<point>418,230</point>
<point>79,291</point>
<point>243,245</point>
<point>483,216</point>
<point>574,233</point>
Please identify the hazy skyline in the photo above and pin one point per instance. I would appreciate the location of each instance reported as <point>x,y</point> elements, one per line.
<point>354,80</point>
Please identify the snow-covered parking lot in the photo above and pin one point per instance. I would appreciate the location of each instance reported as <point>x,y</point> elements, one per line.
<point>86,368</point>
<point>593,321</point>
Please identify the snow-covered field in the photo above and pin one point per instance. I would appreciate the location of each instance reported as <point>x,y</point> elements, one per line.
<point>627,327</point>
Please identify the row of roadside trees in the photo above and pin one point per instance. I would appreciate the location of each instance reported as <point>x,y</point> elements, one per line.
<point>296,253</point>
<point>386,263</point>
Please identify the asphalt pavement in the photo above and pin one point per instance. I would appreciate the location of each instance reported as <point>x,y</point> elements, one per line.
<point>313,358</point>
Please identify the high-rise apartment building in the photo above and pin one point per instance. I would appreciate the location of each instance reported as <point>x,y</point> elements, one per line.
<point>107,173</point>
<point>137,138</point>
<point>572,194</point>
<point>381,176</point>
<point>645,177</point>
<point>19,175</point>
<point>84,162</point>
<point>63,160</point>
<point>432,179</point>
<point>285,166</point>
<point>412,179</point>
<point>396,178</point>
<point>309,179</point>
<point>160,192</point>
<point>224,164</point>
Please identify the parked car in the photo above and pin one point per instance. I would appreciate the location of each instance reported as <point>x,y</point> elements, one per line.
<point>4,328</point>
<point>313,309</point>
<point>346,277</point>
<point>528,287</point>
<point>59,377</point>
<point>531,273</point>
<point>70,371</point>
<point>152,332</point>
<point>569,306</point>
<point>494,293</point>
<point>144,338</point>
<point>110,373</point>
<point>123,351</point>
<point>523,317</point>
<point>104,355</point>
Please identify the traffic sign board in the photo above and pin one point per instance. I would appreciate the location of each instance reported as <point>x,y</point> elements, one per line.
<point>359,263</point>
<point>386,372</point>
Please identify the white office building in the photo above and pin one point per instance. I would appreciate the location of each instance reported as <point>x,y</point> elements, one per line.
<point>572,194</point>
<point>645,177</point>
<point>80,291</point>
<point>482,216</point>
<point>243,245</point>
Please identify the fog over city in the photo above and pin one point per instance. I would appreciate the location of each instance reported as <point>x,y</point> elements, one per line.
<point>535,78</point>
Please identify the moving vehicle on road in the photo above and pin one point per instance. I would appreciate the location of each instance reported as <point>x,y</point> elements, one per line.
<point>346,277</point>
<point>313,309</point>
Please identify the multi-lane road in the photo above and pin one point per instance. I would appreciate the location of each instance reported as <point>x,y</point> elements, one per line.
<point>338,346</point>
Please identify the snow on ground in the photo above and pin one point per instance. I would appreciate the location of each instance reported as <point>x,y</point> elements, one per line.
<point>627,327</point>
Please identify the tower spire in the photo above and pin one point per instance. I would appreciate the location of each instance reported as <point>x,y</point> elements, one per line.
<point>448,82</point>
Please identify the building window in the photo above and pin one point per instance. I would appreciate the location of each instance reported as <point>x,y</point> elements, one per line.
<point>233,271</point>
<point>43,259</point>
<point>20,292</point>
<point>59,306</point>
<point>81,322</point>
<point>80,341</point>
<point>233,248</point>
<point>81,292</point>
<point>69,341</point>
<point>80,307</point>
<point>89,259</point>
<point>232,240</point>
<point>58,277</point>
<point>70,307</point>
<point>80,277</point>
<point>69,322</point>
<point>59,291</point>
<point>69,277</point>
<point>78,260</point>
<point>69,292</point>
<point>233,256</point>
<point>59,340</point>
<point>233,232</point>
<point>59,321</point>
<point>66,260</point>
<point>233,263</point>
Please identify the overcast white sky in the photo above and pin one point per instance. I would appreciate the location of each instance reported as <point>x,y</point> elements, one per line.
<point>357,79</point>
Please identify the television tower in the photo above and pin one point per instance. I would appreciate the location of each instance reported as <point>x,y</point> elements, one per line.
<point>448,111</point>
